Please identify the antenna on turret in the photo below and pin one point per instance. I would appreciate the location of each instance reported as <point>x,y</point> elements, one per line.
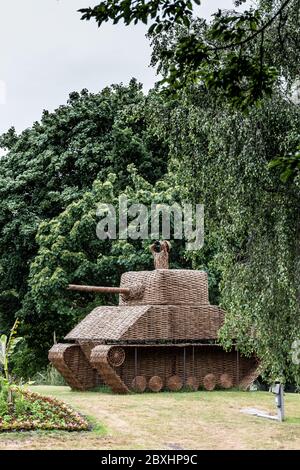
<point>160,251</point>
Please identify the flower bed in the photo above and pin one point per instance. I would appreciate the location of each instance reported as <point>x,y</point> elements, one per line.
<point>31,411</point>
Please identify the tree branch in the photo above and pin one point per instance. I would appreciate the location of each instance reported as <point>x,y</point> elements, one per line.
<point>259,31</point>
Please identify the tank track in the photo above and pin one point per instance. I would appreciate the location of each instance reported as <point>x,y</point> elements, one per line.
<point>84,366</point>
<point>70,361</point>
<point>100,360</point>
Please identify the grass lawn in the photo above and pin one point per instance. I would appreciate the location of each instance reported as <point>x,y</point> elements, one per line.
<point>199,420</point>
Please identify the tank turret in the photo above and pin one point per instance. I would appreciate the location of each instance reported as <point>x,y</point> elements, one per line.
<point>163,334</point>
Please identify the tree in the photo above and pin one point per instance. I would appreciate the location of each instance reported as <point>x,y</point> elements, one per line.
<point>53,163</point>
<point>229,54</point>
<point>70,252</point>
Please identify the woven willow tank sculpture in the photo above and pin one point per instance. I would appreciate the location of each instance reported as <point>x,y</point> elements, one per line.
<point>163,335</point>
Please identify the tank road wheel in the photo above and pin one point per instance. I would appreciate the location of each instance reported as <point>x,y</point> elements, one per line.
<point>192,383</point>
<point>226,381</point>
<point>139,383</point>
<point>209,382</point>
<point>155,383</point>
<point>116,356</point>
<point>174,383</point>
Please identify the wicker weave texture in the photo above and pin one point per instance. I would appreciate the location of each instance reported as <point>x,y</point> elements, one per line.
<point>174,383</point>
<point>155,383</point>
<point>139,384</point>
<point>116,356</point>
<point>169,322</point>
<point>106,323</point>
<point>70,361</point>
<point>165,322</point>
<point>167,287</point>
<point>192,383</point>
<point>210,382</point>
<point>190,365</point>
<point>226,381</point>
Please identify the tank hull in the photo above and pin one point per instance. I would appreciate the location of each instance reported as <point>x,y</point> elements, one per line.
<point>161,336</point>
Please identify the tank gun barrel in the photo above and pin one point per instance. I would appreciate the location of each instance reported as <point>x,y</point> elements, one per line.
<point>110,290</point>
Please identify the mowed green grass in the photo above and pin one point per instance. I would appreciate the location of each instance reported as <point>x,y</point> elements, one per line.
<point>184,420</point>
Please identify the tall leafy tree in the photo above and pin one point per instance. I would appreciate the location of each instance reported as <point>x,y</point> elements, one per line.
<point>252,232</point>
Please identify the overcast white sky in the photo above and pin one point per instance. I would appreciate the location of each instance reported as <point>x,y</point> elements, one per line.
<point>46,52</point>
